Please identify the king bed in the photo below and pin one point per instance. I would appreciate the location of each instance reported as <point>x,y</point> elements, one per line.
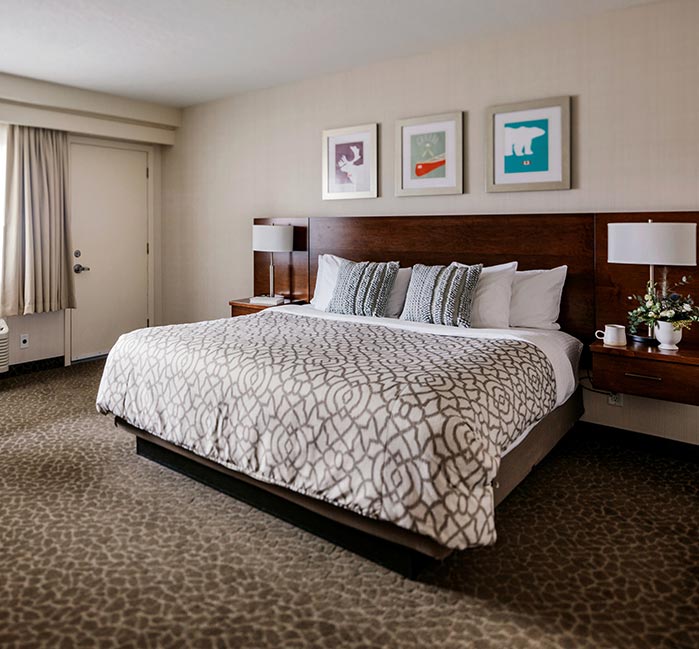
<point>394,438</point>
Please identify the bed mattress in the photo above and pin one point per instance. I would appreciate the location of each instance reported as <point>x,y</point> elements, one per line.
<point>395,421</point>
<point>562,350</point>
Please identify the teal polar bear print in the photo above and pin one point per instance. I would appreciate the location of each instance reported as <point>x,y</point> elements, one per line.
<point>518,140</point>
<point>526,146</point>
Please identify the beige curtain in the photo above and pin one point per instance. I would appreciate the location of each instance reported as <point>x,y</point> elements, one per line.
<point>36,276</point>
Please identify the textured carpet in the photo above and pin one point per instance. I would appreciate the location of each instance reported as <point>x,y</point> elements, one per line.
<point>599,547</point>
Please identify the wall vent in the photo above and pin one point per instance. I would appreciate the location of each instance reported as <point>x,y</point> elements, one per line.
<point>4,346</point>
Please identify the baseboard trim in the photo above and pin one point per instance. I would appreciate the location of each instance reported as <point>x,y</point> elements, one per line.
<point>33,366</point>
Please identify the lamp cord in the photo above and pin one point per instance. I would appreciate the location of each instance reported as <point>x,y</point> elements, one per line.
<point>590,389</point>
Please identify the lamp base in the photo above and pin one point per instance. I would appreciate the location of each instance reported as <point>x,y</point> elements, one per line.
<point>649,341</point>
<point>268,300</point>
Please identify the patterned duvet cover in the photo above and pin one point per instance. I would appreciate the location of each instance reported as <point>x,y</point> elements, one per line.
<point>397,425</point>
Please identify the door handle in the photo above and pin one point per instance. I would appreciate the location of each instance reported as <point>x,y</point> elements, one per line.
<point>79,268</point>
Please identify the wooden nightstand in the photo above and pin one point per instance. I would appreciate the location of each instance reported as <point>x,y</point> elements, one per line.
<point>242,306</point>
<point>647,371</point>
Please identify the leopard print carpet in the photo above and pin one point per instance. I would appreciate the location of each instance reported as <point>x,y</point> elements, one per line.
<point>599,547</point>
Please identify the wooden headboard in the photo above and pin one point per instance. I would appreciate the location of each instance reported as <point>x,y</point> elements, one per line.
<point>534,240</point>
<point>595,292</point>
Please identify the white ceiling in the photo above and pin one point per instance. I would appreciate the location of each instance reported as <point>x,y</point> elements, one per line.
<point>182,52</point>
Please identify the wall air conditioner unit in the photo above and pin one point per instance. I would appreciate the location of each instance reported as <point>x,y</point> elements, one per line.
<point>4,346</point>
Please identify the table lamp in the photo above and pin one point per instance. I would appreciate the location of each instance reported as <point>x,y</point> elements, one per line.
<point>271,238</point>
<point>655,244</point>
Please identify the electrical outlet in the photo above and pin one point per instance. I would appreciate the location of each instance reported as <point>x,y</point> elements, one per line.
<point>23,341</point>
<point>615,399</point>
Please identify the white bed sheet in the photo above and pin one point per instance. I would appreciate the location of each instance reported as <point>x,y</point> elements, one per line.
<point>562,350</point>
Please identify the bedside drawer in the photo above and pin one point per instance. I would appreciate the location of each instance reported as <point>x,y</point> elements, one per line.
<point>647,378</point>
<point>237,310</point>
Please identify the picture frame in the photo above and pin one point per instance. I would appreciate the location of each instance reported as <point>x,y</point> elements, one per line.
<point>349,158</point>
<point>528,146</point>
<point>429,155</point>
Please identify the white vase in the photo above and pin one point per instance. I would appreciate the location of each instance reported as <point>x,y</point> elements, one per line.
<point>666,335</point>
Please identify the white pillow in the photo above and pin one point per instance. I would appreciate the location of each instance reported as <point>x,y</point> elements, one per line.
<point>536,298</point>
<point>326,280</point>
<point>491,300</point>
<point>328,269</point>
<point>396,298</point>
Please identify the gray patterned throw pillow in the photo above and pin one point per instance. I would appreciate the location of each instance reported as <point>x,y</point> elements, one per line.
<point>363,287</point>
<point>441,294</point>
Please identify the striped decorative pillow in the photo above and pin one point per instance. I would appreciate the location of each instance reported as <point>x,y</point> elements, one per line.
<point>441,294</point>
<point>363,287</point>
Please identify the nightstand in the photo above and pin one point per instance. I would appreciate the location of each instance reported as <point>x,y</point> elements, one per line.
<point>242,306</point>
<point>647,371</point>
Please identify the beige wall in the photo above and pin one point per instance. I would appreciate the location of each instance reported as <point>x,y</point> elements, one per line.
<point>663,418</point>
<point>634,76</point>
<point>48,105</point>
<point>44,94</point>
<point>46,336</point>
<point>47,330</point>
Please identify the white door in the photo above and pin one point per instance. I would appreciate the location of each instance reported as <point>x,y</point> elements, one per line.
<point>109,194</point>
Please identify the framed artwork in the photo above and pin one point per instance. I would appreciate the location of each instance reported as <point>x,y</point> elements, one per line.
<point>349,162</point>
<point>529,146</point>
<point>429,155</point>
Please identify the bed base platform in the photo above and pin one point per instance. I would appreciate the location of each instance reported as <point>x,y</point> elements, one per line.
<point>395,548</point>
<point>393,556</point>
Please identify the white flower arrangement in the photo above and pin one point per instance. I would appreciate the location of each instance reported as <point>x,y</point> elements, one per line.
<point>671,307</point>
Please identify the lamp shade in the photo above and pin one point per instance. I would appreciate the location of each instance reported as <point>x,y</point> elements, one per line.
<point>656,244</point>
<point>273,238</point>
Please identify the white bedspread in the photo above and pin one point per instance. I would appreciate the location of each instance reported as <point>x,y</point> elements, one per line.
<point>562,350</point>
<point>397,421</point>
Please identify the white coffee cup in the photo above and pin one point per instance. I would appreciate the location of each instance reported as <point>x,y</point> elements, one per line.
<point>614,335</point>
